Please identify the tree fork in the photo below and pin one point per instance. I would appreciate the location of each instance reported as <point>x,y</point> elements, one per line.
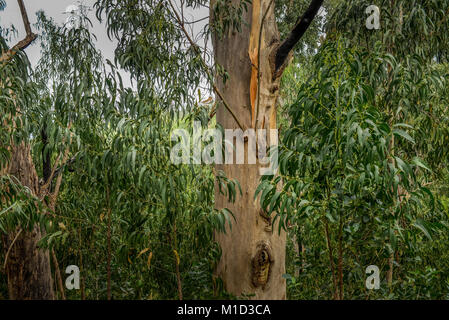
<point>253,256</point>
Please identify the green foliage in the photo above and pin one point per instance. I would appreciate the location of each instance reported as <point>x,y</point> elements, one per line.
<point>121,197</point>
<point>363,157</point>
<point>363,160</point>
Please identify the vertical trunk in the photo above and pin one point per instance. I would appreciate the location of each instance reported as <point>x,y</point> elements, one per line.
<point>300,251</point>
<point>27,266</point>
<point>109,244</point>
<point>331,259</point>
<point>253,253</point>
<point>296,249</point>
<point>58,274</point>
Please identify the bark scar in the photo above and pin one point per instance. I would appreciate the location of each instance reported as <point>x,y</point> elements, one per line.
<point>261,264</point>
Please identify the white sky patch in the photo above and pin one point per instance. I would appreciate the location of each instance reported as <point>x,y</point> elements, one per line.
<point>72,12</point>
<point>59,11</point>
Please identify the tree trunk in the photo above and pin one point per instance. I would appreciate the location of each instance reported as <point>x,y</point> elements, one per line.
<point>253,253</point>
<point>27,267</point>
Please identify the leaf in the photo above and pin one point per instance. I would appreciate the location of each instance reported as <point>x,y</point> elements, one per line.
<point>420,225</point>
<point>273,201</point>
<point>420,164</point>
<point>133,159</point>
<point>142,252</point>
<point>404,125</point>
<point>403,134</point>
<point>228,214</point>
<point>142,171</point>
<point>427,190</point>
<point>7,209</point>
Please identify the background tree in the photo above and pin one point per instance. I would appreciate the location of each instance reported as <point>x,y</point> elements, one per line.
<point>26,266</point>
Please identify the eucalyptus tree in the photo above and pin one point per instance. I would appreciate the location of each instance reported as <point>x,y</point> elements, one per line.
<point>155,43</point>
<point>411,88</point>
<point>87,175</point>
<point>77,118</point>
<point>60,111</point>
<point>254,57</point>
<point>26,266</point>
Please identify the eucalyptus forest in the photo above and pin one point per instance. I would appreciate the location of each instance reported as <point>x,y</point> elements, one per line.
<point>115,176</point>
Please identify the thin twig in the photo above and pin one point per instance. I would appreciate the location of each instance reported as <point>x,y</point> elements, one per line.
<point>178,273</point>
<point>10,247</point>
<point>54,195</point>
<point>58,274</point>
<point>331,258</point>
<point>21,45</point>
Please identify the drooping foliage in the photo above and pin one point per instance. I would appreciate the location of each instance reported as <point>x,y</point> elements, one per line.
<point>126,215</point>
<point>363,157</point>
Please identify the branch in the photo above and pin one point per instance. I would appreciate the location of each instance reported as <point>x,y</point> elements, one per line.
<point>54,195</point>
<point>26,22</point>
<point>45,189</point>
<point>23,44</point>
<point>10,247</point>
<point>296,34</point>
<point>46,186</point>
<point>196,21</point>
<point>68,163</point>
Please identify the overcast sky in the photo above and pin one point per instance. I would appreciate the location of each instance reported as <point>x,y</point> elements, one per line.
<point>56,10</point>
